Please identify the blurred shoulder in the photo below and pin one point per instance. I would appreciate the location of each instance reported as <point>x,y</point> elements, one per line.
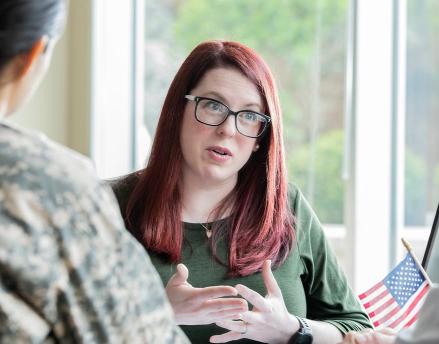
<point>31,160</point>
<point>293,193</point>
<point>124,184</point>
<point>123,187</point>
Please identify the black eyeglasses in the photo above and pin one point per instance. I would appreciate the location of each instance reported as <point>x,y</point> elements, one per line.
<point>212,112</point>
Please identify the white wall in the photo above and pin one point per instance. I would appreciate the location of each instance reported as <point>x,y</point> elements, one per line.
<point>47,111</point>
<point>61,106</point>
<point>79,119</point>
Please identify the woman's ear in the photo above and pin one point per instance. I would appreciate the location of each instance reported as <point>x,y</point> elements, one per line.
<point>28,59</point>
<point>256,147</point>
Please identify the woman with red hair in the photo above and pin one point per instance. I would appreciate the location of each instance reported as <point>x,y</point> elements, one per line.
<point>214,196</point>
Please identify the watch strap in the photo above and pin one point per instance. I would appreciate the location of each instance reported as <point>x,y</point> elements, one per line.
<point>304,326</point>
<point>303,334</point>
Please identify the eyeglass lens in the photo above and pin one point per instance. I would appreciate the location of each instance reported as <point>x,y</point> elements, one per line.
<point>212,112</point>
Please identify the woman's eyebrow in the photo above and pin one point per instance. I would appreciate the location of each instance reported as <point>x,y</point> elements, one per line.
<point>217,96</point>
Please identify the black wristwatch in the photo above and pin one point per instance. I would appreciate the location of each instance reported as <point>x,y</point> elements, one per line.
<point>303,335</point>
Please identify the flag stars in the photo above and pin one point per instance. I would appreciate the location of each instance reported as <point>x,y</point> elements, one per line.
<point>404,280</point>
<point>403,284</point>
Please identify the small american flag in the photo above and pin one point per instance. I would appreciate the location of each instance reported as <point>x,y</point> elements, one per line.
<point>395,301</point>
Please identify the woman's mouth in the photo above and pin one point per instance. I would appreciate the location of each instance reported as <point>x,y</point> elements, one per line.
<point>219,154</point>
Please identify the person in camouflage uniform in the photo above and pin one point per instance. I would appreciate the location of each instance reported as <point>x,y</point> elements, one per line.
<point>69,271</point>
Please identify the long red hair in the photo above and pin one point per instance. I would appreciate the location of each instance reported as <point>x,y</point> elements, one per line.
<point>261,224</point>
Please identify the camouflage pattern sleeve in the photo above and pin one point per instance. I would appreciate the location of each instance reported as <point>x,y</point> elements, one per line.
<point>69,271</point>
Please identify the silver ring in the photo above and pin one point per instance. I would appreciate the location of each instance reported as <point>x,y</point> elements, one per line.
<point>245,324</point>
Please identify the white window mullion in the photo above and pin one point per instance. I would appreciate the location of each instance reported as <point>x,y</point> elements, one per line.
<point>142,138</point>
<point>112,87</point>
<point>369,190</point>
<point>399,131</point>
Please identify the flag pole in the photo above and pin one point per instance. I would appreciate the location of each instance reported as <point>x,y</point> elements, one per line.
<point>409,249</point>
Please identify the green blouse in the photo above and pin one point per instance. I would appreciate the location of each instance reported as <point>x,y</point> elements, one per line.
<point>312,283</point>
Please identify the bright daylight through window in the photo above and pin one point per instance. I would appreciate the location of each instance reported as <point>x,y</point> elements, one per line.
<point>307,44</point>
<point>304,42</point>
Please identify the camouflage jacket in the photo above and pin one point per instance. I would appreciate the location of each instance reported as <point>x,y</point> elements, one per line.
<point>69,271</point>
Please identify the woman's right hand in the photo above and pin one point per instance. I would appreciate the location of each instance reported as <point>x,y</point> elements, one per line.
<point>200,306</point>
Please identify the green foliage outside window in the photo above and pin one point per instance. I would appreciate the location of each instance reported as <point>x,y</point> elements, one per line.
<point>415,200</point>
<point>327,197</point>
<point>290,35</point>
<point>436,185</point>
<point>304,43</point>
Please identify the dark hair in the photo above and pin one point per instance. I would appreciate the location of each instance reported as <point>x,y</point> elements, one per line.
<point>261,226</point>
<point>23,22</point>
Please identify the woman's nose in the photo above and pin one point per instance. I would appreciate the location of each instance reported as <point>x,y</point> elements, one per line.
<point>228,127</point>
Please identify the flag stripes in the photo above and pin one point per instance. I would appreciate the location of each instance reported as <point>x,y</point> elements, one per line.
<point>395,301</point>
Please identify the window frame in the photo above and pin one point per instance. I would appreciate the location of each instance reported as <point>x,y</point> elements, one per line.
<point>373,213</point>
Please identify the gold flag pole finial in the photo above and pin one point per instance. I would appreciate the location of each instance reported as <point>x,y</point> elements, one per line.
<point>409,249</point>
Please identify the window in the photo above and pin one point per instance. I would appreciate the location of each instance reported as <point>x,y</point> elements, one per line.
<point>304,42</point>
<point>421,141</point>
<point>359,101</point>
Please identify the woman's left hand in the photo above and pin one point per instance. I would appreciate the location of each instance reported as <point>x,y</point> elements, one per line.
<point>383,336</point>
<point>268,321</point>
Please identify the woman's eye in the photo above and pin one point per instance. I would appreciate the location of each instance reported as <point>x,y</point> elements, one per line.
<point>248,116</point>
<point>214,106</point>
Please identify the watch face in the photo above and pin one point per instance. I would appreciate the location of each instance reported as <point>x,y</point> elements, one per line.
<point>303,335</point>
<point>301,338</point>
<point>305,338</point>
